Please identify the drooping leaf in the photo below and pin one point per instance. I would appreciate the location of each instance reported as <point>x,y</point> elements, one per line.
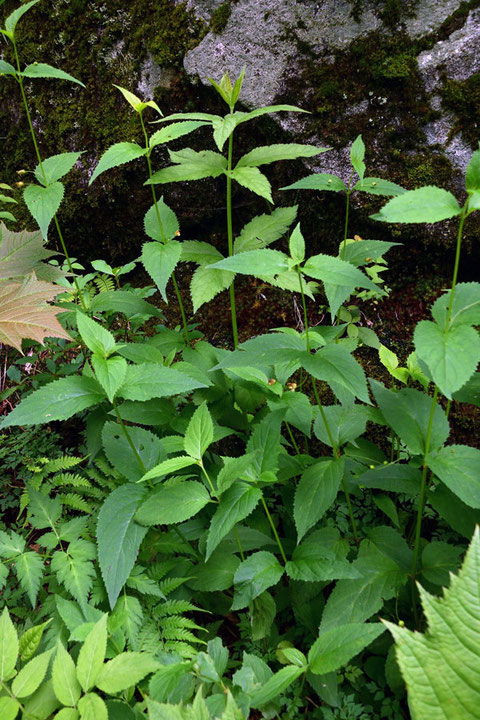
<point>254,575</point>
<point>124,671</point>
<point>318,181</point>
<point>116,155</point>
<point>119,537</point>
<point>43,70</point>
<point>92,654</point>
<point>254,180</point>
<point>160,261</point>
<point>235,505</point>
<point>7,68</point>
<point>29,569</point>
<point>260,263</point>
<point>265,229</point>
<point>425,205</point>
<point>174,131</point>
<point>441,668</point>
<point>8,646</point>
<point>58,400</point>
<point>207,282</point>
<point>14,17</point>
<point>64,677</point>
<point>55,167</point>
<point>20,252</point>
<point>276,685</point>
<point>148,380</point>
<point>337,646</point>
<point>43,203</point>
<point>164,229</point>
<point>173,503</point>
<point>272,153</point>
<point>378,186</point>
<point>457,466</point>
<point>336,366</point>
<point>190,165</point>
<point>316,492</point>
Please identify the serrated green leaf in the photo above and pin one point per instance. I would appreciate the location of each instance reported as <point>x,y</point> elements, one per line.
<point>265,229</point>
<point>97,338</point>
<point>166,228</point>
<point>31,675</point>
<point>43,203</point>
<point>254,180</point>
<point>119,537</point>
<point>276,685</point>
<point>124,302</point>
<point>439,559</point>
<point>116,155</point>
<point>336,366</point>
<point>273,153</point>
<point>58,400</point>
<point>199,433</point>
<point>425,205</point>
<point>316,492</point>
<point>92,707</point>
<point>336,647</point>
<point>29,570</point>
<point>9,708</point>
<point>335,271</point>
<point>199,252</point>
<point>174,131</point>
<point>168,466</point>
<point>55,167</point>
<point>11,544</point>
<point>472,175</point>
<point>67,713</point>
<point>465,306</point>
<point>160,261</point>
<point>110,373</point>
<point>190,165</point>
<point>457,467</point>
<point>318,181</point>
<point>14,17</point>
<point>124,671</point>
<point>4,215</point>
<point>43,70</point>
<point>8,646</point>
<point>30,640</point>
<point>346,424</point>
<point>357,155</point>
<point>319,558</point>
<point>75,573</point>
<point>441,667</point>
<point>119,451</point>
<point>207,283</point>
<point>6,68</point>
<point>92,654</point>
<point>170,504</point>
<point>260,263</point>
<point>378,186</point>
<point>235,505</point>
<point>258,572</point>
<point>215,574</point>
<point>64,678</point>
<point>148,380</point>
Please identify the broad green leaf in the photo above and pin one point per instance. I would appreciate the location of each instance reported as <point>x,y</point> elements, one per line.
<point>258,572</point>
<point>439,559</point>
<point>11,545</point>
<point>235,505</point>
<point>201,253</point>
<point>31,675</point>
<point>116,155</point>
<point>407,412</point>
<point>150,412</point>
<point>110,373</point>
<point>8,646</point>
<point>265,229</point>
<point>321,557</point>
<point>92,654</point>
<point>45,510</point>
<point>42,703</point>
<point>67,713</point>
<point>9,708</point>
<point>190,165</point>
<point>465,306</point>
<point>168,466</point>
<point>267,110</point>
<point>75,570</point>
<point>260,263</point>
<point>43,203</point>
<point>391,543</point>
<point>336,647</point>
<point>360,252</point>
<point>335,271</point>
<point>124,671</point>
<point>470,392</point>
<point>299,410</point>
<point>43,70</point>
<point>457,466</point>
<point>174,131</point>
<point>441,668</point>
<point>264,443</point>
<point>128,611</point>
<point>92,707</point>
<point>148,380</point>
<point>296,245</point>
<point>346,423</point>
<point>173,503</point>
<point>160,261</point>
<point>392,478</point>
<point>335,365</point>
<point>425,205</point>
<point>148,450</point>
<point>215,574</point>
<point>223,128</point>
<point>451,355</point>
<point>14,17</point>
<point>207,283</point>
<point>124,302</point>
<point>459,516</point>
<point>276,685</point>
<point>55,167</point>
<point>119,537</point>
<point>378,186</point>
<point>97,338</point>
<point>30,640</point>
<point>316,492</point>
<point>141,352</point>
<point>165,229</point>
<point>272,153</point>
<point>254,180</point>
<point>472,175</point>
<point>199,434</point>
<point>29,570</point>
<point>7,68</point>
<point>58,400</point>
<point>64,678</point>
<point>357,155</point>
<point>318,181</point>
<point>163,711</point>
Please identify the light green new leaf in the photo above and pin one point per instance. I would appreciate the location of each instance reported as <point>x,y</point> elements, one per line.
<point>8,646</point>
<point>407,412</point>
<point>149,380</point>
<point>160,261</point>
<point>296,245</point>
<point>97,338</point>
<point>425,205</point>
<point>7,68</point>
<point>174,131</point>
<point>9,708</point>
<point>276,685</point>
<point>43,70</point>
<point>199,434</point>
<point>265,229</point>
<point>442,667</point>
<point>472,175</point>
<point>316,492</point>
<point>357,155</point>
<point>43,203</point>
<point>4,215</point>
<point>135,102</point>
<point>116,155</point>
<point>335,271</point>
<point>92,654</point>
<point>378,186</point>
<point>30,640</point>
<point>58,400</point>
<point>92,707</point>
<point>318,181</point>
<point>67,713</point>
<point>110,373</point>
<point>64,678</point>
<point>223,128</point>
<point>168,466</point>
<point>31,675</point>
<point>29,570</point>
<point>173,503</point>
<point>272,153</point>
<point>14,17</point>
<point>458,467</point>
<point>254,180</point>
<point>260,263</point>
<point>335,365</point>
<point>124,671</point>
<point>119,537</point>
<point>75,570</point>
<point>165,229</point>
<point>207,282</point>
<point>336,647</point>
<point>258,572</point>
<point>190,165</point>
<point>235,505</point>
<point>451,356</point>
<point>55,167</point>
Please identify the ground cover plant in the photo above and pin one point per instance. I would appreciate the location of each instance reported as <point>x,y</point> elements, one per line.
<point>243,531</point>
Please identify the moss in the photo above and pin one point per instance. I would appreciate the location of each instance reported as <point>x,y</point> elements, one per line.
<point>462,97</point>
<point>399,65</point>
<point>220,16</point>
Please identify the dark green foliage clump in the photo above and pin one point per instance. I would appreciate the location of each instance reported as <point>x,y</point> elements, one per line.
<point>219,19</point>
<point>463,98</point>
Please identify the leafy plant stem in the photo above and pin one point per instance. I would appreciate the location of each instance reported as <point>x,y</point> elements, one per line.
<point>457,263</point>
<point>230,239</point>
<point>347,213</point>
<point>298,692</point>
<point>130,441</point>
<point>162,232</point>
<point>274,530</point>
<point>294,443</point>
<point>39,158</point>
<point>207,476</point>
<point>186,541</point>
<point>237,538</point>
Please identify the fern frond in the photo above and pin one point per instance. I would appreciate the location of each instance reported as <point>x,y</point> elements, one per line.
<point>66,478</point>
<point>182,648</point>
<point>104,283</point>
<point>174,607</point>
<point>170,584</point>
<point>159,569</point>
<point>179,633</point>
<point>65,462</point>
<point>149,639</point>
<point>74,501</point>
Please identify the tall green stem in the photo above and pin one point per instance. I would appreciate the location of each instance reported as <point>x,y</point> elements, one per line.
<point>129,439</point>
<point>334,445</point>
<point>233,309</point>
<point>274,530</point>
<point>162,232</point>
<point>347,213</point>
<point>40,163</point>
